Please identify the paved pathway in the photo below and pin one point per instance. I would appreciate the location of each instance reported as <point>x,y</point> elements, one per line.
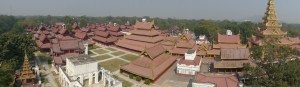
<point>48,72</point>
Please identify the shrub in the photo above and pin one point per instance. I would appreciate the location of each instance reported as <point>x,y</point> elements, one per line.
<point>147,81</point>
<point>131,76</point>
<point>138,78</point>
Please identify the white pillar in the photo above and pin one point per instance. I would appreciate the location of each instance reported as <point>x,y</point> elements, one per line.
<point>81,79</point>
<point>86,46</point>
<point>90,78</point>
<point>109,82</point>
<point>96,77</point>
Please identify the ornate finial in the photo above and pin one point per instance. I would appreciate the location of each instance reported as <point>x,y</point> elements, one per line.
<point>270,18</point>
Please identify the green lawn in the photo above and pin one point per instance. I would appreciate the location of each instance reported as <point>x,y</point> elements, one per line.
<point>117,53</point>
<point>44,57</point>
<point>111,49</point>
<point>100,51</point>
<point>113,65</point>
<point>91,53</point>
<point>125,83</point>
<point>130,57</point>
<point>93,47</point>
<point>102,57</point>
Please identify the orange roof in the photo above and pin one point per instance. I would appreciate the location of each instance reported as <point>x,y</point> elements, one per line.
<point>229,38</point>
<point>218,80</point>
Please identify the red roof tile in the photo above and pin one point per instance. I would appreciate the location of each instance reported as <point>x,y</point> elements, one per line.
<point>194,62</point>
<point>143,25</point>
<point>155,51</point>
<point>145,32</point>
<point>218,80</point>
<point>81,35</point>
<point>241,53</point>
<point>149,68</point>
<point>228,38</point>
<point>102,33</point>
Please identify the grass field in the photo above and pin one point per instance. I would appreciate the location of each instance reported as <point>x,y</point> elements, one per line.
<point>91,53</point>
<point>117,53</point>
<point>130,57</point>
<point>102,57</point>
<point>125,83</point>
<point>101,51</point>
<point>111,49</point>
<point>44,57</point>
<point>93,47</point>
<point>113,65</point>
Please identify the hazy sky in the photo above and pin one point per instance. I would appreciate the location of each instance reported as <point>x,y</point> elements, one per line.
<point>287,10</point>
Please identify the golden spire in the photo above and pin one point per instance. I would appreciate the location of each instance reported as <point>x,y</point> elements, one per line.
<point>270,18</point>
<point>26,72</point>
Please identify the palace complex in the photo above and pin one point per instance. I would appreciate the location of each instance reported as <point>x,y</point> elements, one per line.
<point>159,50</point>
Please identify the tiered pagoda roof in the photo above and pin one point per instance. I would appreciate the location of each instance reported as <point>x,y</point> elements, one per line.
<point>143,36</point>
<point>152,65</point>
<point>271,27</point>
<point>107,34</point>
<point>27,73</point>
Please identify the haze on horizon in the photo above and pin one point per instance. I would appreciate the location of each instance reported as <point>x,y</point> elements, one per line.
<point>238,10</point>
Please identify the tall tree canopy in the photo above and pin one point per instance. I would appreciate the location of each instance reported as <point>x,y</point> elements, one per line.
<point>13,46</point>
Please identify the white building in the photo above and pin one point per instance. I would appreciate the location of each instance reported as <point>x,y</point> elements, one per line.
<point>84,71</point>
<point>202,40</point>
<point>190,64</point>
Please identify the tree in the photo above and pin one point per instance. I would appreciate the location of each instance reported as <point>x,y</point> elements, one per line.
<point>13,46</point>
<point>273,68</point>
<point>147,81</point>
<point>138,78</point>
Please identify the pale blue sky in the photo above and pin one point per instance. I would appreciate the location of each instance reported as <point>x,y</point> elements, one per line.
<point>287,10</point>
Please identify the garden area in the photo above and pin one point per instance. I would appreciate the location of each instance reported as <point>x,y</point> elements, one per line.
<point>44,57</point>
<point>100,51</point>
<point>118,53</point>
<point>93,47</point>
<point>103,57</point>
<point>111,49</point>
<point>113,65</point>
<point>130,57</point>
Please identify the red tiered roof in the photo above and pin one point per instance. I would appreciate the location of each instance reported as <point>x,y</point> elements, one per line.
<point>218,80</point>
<point>234,39</point>
<point>152,67</point>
